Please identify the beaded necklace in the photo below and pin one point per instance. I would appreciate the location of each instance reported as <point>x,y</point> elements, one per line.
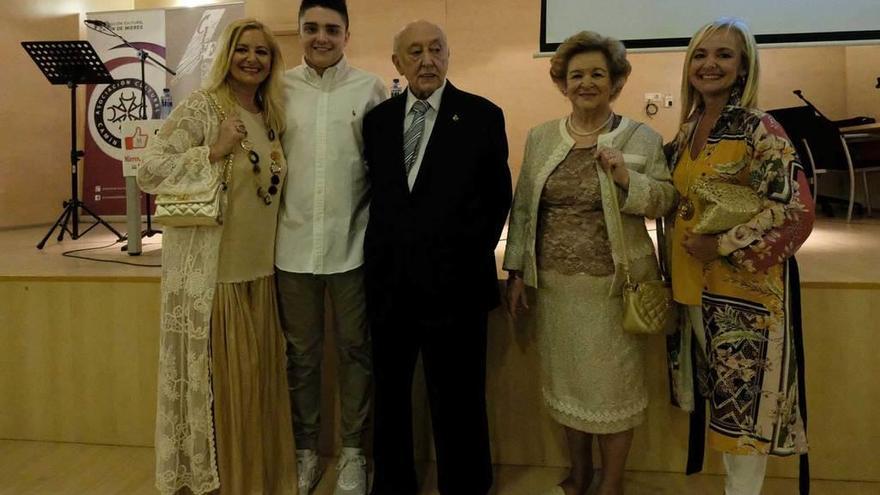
<point>274,167</point>
<point>254,158</point>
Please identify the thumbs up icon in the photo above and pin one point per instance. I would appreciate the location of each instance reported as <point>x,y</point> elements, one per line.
<point>138,141</point>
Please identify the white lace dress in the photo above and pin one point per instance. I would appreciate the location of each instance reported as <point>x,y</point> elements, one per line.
<point>246,419</point>
<point>592,372</point>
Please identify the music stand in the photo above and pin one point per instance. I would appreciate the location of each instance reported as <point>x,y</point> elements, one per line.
<point>71,63</point>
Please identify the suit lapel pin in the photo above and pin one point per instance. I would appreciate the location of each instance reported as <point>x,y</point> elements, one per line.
<point>455,117</point>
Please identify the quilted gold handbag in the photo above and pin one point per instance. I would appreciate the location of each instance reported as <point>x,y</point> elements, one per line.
<point>193,210</point>
<point>648,307</point>
<point>727,205</point>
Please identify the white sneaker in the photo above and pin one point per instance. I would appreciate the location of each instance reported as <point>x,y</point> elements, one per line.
<point>351,472</point>
<point>308,470</point>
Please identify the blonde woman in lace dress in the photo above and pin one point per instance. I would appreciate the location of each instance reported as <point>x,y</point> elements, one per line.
<point>564,241</point>
<point>223,422</point>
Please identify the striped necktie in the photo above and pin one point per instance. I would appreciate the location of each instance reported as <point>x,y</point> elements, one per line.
<point>413,135</point>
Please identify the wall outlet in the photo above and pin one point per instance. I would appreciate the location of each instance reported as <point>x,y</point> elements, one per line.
<point>667,102</point>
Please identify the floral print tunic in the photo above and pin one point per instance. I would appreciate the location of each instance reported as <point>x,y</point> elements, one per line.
<point>748,371</point>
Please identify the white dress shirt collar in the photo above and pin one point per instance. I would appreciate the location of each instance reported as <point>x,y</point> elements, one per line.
<point>433,100</point>
<point>336,72</point>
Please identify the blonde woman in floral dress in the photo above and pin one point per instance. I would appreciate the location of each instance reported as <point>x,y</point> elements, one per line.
<point>223,422</point>
<point>739,286</point>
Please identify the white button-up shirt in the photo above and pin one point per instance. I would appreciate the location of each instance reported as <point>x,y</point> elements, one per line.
<point>323,215</point>
<point>430,118</point>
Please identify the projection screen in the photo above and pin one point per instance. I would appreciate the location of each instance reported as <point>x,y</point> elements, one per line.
<point>668,24</point>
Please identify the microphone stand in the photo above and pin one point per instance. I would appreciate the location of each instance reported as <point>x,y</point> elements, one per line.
<point>143,55</point>
<point>837,123</point>
<point>800,95</point>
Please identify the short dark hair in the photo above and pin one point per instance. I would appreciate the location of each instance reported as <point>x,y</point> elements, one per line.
<point>335,5</point>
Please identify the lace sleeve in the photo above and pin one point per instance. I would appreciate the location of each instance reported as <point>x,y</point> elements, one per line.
<point>176,160</point>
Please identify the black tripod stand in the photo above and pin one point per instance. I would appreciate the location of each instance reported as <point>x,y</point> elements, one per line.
<point>70,63</point>
<point>104,28</point>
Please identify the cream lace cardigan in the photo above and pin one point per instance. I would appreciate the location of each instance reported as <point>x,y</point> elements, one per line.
<point>651,194</point>
<point>175,162</point>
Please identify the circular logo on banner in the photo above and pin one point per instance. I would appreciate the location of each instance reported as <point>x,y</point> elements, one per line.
<point>119,102</point>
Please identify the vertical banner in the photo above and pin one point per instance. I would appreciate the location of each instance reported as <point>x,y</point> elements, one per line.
<point>190,35</point>
<point>136,135</point>
<point>111,105</point>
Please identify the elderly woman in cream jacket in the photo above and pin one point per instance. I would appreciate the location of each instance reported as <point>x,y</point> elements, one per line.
<point>564,240</point>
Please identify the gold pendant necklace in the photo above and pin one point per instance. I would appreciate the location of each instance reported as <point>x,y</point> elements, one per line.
<point>686,208</point>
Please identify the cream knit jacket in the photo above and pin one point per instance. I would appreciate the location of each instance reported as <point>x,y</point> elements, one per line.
<point>650,194</point>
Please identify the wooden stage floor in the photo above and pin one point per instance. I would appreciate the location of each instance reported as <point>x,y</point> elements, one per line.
<point>40,468</point>
<point>837,252</point>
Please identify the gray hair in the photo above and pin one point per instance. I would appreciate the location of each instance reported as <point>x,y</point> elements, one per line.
<point>396,46</point>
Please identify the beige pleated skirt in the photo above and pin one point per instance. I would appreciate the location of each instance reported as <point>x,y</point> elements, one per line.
<point>255,452</point>
<point>593,373</point>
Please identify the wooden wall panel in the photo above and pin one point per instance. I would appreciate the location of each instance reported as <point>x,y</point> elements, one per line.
<point>78,364</point>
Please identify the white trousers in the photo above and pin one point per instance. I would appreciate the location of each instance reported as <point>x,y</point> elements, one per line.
<point>745,473</point>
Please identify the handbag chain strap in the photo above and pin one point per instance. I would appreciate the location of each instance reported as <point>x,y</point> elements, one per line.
<point>615,208</point>
<point>661,238</point>
<point>227,161</point>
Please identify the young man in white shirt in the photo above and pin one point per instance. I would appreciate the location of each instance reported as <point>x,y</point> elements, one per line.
<point>319,245</point>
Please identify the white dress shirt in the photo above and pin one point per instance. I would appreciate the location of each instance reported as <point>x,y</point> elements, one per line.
<point>433,102</point>
<point>324,212</point>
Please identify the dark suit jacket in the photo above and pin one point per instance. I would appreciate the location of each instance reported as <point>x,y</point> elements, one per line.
<point>435,246</point>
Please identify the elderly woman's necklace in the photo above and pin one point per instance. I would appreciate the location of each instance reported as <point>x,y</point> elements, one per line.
<point>576,132</point>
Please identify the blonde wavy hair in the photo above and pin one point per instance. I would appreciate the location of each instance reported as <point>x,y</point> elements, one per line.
<point>690,98</point>
<point>270,95</point>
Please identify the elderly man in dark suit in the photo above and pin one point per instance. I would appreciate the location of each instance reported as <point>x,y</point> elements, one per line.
<point>437,160</point>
